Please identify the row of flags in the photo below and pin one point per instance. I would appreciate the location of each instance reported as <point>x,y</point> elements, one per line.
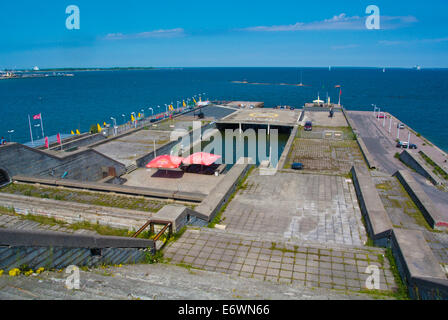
<point>77,132</point>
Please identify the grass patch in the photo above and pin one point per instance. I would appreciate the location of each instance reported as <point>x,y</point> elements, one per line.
<point>401,292</point>
<point>92,198</point>
<point>437,170</point>
<point>151,258</point>
<point>83,225</point>
<point>384,186</point>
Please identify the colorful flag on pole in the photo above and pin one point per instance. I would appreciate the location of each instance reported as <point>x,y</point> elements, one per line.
<point>194,101</point>
<point>46,143</point>
<point>99,127</point>
<point>132,117</point>
<point>58,137</point>
<point>37,116</point>
<point>77,131</point>
<point>183,103</point>
<point>71,132</point>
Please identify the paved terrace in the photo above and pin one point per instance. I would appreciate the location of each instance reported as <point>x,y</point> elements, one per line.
<point>321,118</point>
<point>298,265</point>
<point>172,180</point>
<point>264,116</point>
<point>130,147</point>
<point>309,207</point>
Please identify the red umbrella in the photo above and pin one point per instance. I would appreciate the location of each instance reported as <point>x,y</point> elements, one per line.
<point>165,162</point>
<point>202,158</point>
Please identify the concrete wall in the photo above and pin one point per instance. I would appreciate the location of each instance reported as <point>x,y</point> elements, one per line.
<point>371,163</point>
<point>379,225</point>
<point>413,161</point>
<point>120,189</point>
<point>59,250</point>
<point>419,268</point>
<point>289,144</point>
<point>179,216</point>
<point>73,212</point>
<point>83,165</point>
<point>222,192</point>
<point>82,142</point>
<point>65,140</point>
<point>36,257</point>
<point>434,218</point>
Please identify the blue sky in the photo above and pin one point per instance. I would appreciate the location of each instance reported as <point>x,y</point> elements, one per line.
<point>201,33</point>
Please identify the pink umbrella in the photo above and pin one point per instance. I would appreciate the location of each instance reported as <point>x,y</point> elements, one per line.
<point>202,158</point>
<point>165,162</point>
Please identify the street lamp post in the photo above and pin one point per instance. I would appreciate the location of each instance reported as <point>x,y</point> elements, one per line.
<point>10,135</point>
<point>384,119</point>
<point>390,123</point>
<point>115,125</point>
<point>124,118</point>
<point>374,109</point>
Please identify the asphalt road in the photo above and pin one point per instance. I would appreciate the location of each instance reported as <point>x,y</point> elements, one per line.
<point>382,147</point>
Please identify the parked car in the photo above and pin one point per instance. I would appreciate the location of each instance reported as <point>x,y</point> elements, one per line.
<point>308,126</point>
<point>400,126</point>
<point>381,116</point>
<point>404,145</point>
<point>297,166</point>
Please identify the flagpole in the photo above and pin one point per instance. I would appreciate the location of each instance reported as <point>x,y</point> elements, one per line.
<point>31,131</point>
<point>42,125</point>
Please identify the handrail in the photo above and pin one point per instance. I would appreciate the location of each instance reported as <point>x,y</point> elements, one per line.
<point>161,232</point>
<point>136,234</point>
<point>150,223</point>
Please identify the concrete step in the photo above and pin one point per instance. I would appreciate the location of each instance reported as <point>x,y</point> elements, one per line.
<point>247,235</point>
<point>131,167</point>
<point>157,281</point>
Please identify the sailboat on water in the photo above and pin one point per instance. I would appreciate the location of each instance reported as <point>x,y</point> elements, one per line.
<point>301,80</point>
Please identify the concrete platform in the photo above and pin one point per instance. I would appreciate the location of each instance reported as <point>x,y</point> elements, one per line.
<point>302,265</point>
<point>309,207</point>
<point>321,118</point>
<point>130,147</point>
<point>264,116</point>
<point>172,180</point>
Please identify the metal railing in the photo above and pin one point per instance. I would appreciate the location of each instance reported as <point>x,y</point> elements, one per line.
<point>167,226</point>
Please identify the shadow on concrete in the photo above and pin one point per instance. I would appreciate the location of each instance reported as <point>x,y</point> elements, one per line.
<point>161,173</point>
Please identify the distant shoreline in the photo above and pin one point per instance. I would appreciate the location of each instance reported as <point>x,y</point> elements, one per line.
<point>95,69</point>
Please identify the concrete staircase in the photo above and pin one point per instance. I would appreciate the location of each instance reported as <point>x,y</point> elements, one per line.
<point>155,282</point>
<point>131,167</point>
